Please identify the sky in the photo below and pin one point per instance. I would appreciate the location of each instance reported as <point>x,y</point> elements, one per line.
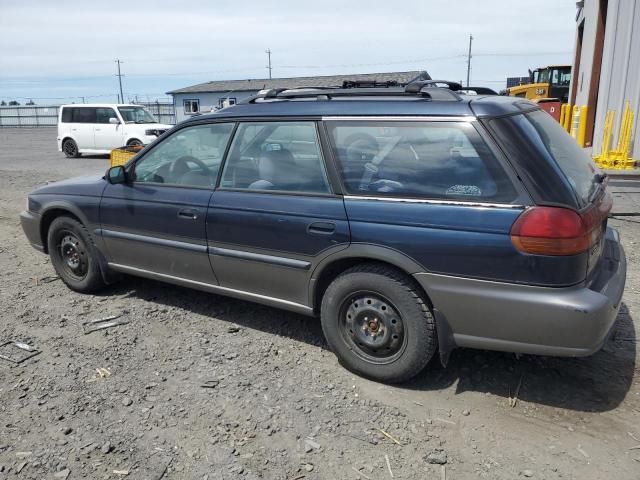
<point>60,51</point>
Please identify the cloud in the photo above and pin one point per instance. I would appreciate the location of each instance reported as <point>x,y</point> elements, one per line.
<point>171,44</point>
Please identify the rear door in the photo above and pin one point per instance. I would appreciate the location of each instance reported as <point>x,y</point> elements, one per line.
<point>83,120</point>
<point>274,215</point>
<point>107,135</point>
<point>434,191</point>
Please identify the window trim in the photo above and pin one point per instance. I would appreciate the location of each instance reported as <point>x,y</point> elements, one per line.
<point>319,143</point>
<point>184,105</point>
<point>521,198</point>
<point>131,166</point>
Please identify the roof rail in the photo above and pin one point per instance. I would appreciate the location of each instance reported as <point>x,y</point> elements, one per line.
<point>416,86</point>
<point>426,89</point>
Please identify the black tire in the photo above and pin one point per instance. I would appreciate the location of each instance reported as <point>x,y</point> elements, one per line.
<point>70,148</point>
<point>379,301</point>
<point>134,142</point>
<point>73,255</point>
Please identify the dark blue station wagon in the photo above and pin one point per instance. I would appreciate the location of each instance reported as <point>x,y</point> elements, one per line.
<point>409,219</point>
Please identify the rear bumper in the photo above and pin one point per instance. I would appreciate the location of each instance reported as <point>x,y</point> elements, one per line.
<point>572,321</point>
<point>31,225</point>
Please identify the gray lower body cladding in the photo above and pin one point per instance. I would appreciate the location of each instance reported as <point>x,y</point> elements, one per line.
<point>572,321</point>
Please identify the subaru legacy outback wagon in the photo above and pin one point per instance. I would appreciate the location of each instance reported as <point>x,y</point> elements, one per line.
<point>409,219</point>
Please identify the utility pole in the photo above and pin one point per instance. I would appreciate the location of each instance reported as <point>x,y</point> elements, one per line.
<point>268,52</point>
<point>469,59</point>
<point>119,75</point>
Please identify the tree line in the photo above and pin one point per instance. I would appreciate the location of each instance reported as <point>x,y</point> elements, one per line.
<point>15,103</point>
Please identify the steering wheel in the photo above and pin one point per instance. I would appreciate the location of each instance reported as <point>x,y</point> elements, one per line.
<point>180,166</point>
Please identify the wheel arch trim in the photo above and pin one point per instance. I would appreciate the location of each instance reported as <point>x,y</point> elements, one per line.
<point>360,252</point>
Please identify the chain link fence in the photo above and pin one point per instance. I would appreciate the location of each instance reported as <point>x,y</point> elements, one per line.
<point>47,115</point>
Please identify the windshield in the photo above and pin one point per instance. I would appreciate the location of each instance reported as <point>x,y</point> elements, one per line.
<point>572,160</point>
<point>543,76</point>
<point>136,115</point>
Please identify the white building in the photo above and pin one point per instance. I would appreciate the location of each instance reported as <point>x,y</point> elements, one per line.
<point>607,65</point>
<point>205,97</point>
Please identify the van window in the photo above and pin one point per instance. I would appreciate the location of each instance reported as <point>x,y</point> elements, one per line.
<point>279,156</point>
<point>66,114</point>
<point>434,160</point>
<point>83,115</point>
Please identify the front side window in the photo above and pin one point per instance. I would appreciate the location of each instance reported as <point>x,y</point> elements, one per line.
<point>191,156</point>
<point>104,114</point>
<point>191,106</point>
<point>136,115</point>
<point>280,156</point>
<point>434,160</point>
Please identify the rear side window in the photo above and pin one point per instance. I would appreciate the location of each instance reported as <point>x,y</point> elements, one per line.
<point>279,156</point>
<point>83,115</point>
<point>433,160</point>
<point>66,115</point>
<point>552,141</point>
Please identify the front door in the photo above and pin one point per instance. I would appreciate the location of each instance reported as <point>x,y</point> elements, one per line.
<point>107,135</point>
<point>155,223</point>
<point>274,216</point>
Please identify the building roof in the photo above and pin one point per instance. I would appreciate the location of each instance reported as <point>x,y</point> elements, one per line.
<point>292,82</point>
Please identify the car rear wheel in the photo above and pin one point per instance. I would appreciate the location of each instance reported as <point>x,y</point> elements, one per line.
<point>378,323</point>
<point>73,255</point>
<point>70,148</point>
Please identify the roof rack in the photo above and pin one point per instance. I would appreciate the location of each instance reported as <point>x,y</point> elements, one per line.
<point>440,90</point>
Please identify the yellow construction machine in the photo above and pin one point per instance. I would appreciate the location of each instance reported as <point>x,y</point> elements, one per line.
<point>547,82</point>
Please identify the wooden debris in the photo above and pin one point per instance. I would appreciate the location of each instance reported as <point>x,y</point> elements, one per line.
<point>386,457</point>
<point>389,436</point>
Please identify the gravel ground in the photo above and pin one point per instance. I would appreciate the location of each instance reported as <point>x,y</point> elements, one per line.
<point>198,386</point>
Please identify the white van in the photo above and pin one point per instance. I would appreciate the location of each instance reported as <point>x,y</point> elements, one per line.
<point>99,128</point>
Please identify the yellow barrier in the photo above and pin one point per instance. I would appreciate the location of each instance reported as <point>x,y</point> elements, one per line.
<point>582,127</point>
<point>567,118</point>
<point>620,158</point>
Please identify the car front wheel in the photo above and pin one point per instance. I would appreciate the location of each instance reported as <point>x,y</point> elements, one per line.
<point>378,323</point>
<point>73,255</point>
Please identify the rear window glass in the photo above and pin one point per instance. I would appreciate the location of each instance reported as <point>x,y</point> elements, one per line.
<point>66,115</point>
<point>553,141</point>
<point>435,160</point>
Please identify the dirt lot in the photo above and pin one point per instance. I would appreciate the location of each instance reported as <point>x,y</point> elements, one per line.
<point>279,405</point>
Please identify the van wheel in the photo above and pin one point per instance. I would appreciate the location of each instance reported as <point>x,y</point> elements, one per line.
<point>70,148</point>
<point>378,323</point>
<point>134,142</point>
<point>73,255</point>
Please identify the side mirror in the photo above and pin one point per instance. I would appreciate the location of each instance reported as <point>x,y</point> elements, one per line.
<point>114,121</point>
<point>116,175</point>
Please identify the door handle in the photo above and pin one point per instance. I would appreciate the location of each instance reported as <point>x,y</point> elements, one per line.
<point>188,214</point>
<point>321,228</point>
<point>97,129</point>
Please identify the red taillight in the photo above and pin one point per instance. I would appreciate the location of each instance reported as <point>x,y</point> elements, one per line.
<point>552,231</point>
